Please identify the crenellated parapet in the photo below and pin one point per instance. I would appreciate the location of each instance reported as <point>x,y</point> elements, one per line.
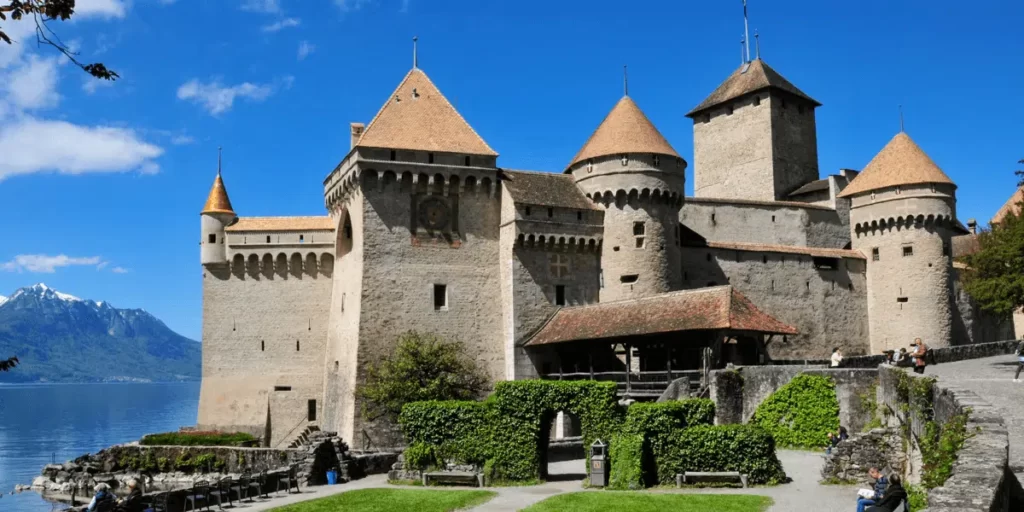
<point>282,265</point>
<point>559,243</point>
<point>930,222</point>
<point>620,197</point>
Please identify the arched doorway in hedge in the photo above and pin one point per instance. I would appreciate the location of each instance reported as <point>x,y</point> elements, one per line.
<point>562,454</point>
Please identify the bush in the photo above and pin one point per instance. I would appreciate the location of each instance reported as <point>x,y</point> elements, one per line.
<point>801,413</point>
<point>744,448</point>
<point>626,454</point>
<point>656,422</point>
<point>197,439</point>
<point>423,367</point>
<point>940,448</point>
<point>422,456</point>
<point>454,428</point>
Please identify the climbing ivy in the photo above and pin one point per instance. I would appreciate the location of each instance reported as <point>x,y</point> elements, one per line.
<point>801,413</point>
<point>940,447</point>
<point>744,448</point>
<point>626,452</point>
<point>869,402</point>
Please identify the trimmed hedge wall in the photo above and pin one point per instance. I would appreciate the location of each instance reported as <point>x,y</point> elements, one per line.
<point>505,431</point>
<point>197,439</point>
<point>627,452</point>
<point>744,448</point>
<point>801,413</point>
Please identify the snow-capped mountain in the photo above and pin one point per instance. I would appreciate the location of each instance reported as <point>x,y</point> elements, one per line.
<point>2,300</point>
<point>61,337</point>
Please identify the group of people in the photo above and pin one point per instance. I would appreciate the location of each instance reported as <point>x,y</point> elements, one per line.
<point>916,357</point>
<point>886,495</point>
<point>105,501</point>
<point>835,439</point>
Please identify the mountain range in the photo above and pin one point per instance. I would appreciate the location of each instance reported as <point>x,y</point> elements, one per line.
<point>61,338</point>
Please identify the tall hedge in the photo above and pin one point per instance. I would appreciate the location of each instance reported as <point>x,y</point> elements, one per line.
<point>744,448</point>
<point>627,453</point>
<point>801,413</point>
<point>453,430</point>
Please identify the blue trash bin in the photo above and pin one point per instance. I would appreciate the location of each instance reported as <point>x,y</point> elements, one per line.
<point>332,477</point>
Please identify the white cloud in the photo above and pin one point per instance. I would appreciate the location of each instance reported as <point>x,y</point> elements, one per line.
<point>119,270</point>
<point>167,2</point>
<point>100,9</point>
<point>351,5</point>
<point>181,140</point>
<point>305,48</point>
<point>33,84</point>
<point>265,6</point>
<point>22,34</point>
<point>277,26</point>
<point>34,145</point>
<point>217,98</point>
<point>45,264</point>
<point>93,84</point>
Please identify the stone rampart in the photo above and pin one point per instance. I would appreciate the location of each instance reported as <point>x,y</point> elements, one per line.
<point>935,355</point>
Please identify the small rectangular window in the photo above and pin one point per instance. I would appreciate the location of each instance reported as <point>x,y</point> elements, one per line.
<point>467,161</point>
<point>629,278</point>
<point>902,299</point>
<point>311,406</point>
<point>639,242</point>
<point>874,254</point>
<point>551,212</point>
<point>908,250</point>
<point>440,297</point>
<point>282,388</point>
<point>393,154</point>
<point>527,211</point>
<point>212,238</point>
<point>302,238</point>
<point>268,239</point>
<point>560,295</point>
<point>579,216</point>
<point>824,263</point>
<point>639,229</point>
<point>430,158</point>
<point>757,100</point>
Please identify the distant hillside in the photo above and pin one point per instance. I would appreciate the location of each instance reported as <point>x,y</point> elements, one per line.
<point>61,338</point>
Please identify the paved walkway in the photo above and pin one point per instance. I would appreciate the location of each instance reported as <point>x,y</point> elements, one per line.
<point>803,493</point>
<point>991,379</point>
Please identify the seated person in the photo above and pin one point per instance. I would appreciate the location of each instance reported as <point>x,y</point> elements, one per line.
<point>103,500</point>
<point>893,497</point>
<point>876,493</point>
<point>843,435</point>
<point>132,502</point>
<point>833,440</point>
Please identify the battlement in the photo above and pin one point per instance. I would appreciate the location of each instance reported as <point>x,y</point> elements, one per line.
<point>927,222</point>
<point>268,265</point>
<point>620,197</point>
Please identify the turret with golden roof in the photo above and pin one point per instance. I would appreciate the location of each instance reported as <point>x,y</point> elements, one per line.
<point>217,214</point>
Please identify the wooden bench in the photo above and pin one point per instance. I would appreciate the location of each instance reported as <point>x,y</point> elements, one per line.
<point>691,476</point>
<point>454,476</point>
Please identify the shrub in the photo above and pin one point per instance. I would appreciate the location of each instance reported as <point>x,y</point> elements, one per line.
<point>744,448</point>
<point>423,367</point>
<point>940,448</point>
<point>422,456</point>
<point>454,428</point>
<point>626,454</point>
<point>658,421</point>
<point>917,497</point>
<point>801,413</point>
<point>197,439</point>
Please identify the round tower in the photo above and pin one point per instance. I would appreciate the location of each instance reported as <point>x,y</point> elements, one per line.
<point>902,217</point>
<point>630,170</point>
<point>217,214</point>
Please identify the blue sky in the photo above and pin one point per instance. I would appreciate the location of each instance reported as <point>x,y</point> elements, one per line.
<point>101,184</point>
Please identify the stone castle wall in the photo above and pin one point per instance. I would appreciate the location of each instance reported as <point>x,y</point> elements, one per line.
<point>764,222</point>
<point>794,144</point>
<point>827,306</point>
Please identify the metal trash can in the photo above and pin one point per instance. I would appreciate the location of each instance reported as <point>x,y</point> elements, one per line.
<point>599,464</point>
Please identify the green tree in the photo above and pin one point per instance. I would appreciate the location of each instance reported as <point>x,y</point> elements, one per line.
<point>995,274</point>
<point>423,367</point>
<point>42,12</point>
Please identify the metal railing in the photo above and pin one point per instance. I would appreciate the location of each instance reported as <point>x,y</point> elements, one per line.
<point>635,384</point>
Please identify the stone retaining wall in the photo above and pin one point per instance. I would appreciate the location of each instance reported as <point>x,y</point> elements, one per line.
<point>935,356</point>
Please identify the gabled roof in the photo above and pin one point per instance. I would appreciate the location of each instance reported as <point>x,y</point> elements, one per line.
<point>1011,205</point>
<point>217,201</point>
<point>900,162</point>
<point>624,130</point>
<point>283,224</point>
<point>748,78</point>
<point>545,189</point>
<point>814,186</point>
<point>419,118</point>
<point>720,307</point>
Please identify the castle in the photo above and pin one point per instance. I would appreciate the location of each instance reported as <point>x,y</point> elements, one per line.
<point>549,272</point>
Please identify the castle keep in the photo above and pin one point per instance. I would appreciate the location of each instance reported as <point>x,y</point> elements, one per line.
<point>604,266</point>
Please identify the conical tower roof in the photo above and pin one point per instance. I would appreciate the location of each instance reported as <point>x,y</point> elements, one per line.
<point>900,162</point>
<point>624,130</point>
<point>750,77</point>
<point>217,201</point>
<point>418,117</point>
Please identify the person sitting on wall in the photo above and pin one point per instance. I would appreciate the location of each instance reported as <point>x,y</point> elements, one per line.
<point>843,434</point>
<point>837,357</point>
<point>920,350</point>
<point>868,497</point>
<point>1020,359</point>
<point>132,502</point>
<point>833,440</point>
<point>901,357</point>
<point>889,357</point>
<point>103,500</point>
<point>894,496</point>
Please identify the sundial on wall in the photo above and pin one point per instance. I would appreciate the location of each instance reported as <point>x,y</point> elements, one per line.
<point>434,214</point>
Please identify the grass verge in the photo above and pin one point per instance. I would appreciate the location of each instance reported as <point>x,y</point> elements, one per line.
<point>389,500</point>
<point>649,502</point>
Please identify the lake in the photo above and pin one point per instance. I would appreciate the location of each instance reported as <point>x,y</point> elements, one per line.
<point>41,422</point>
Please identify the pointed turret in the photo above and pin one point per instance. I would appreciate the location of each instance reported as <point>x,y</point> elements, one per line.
<point>418,117</point>
<point>624,130</point>
<point>217,214</point>
<point>900,162</point>
<point>217,201</point>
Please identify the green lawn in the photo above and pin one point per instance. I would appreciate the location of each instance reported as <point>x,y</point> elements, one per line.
<point>650,502</point>
<point>390,500</point>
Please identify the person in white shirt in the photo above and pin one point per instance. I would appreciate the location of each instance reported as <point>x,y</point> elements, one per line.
<point>837,357</point>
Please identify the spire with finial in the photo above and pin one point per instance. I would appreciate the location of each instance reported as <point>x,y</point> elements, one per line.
<point>757,44</point>
<point>415,58</point>
<point>217,201</point>
<point>901,118</point>
<point>219,148</point>
<point>743,58</point>
<point>746,33</point>
<point>625,81</point>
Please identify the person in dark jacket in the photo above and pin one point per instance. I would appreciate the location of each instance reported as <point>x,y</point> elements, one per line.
<point>894,496</point>
<point>103,500</point>
<point>132,502</point>
<point>881,484</point>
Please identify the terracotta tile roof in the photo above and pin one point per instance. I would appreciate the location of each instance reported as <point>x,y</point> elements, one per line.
<point>753,202</point>
<point>813,186</point>
<point>747,79</point>
<point>217,201</point>
<point>720,307</point>
<point>282,224</point>
<point>786,249</point>
<point>1011,205</point>
<point>900,162</point>
<point>545,189</point>
<point>964,245</point>
<point>624,130</point>
<point>418,117</point>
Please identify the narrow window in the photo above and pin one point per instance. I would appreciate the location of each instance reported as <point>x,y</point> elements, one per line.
<point>311,406</point>
<point>212,238</point>
<point>712,218</point>
<point>263,346</point>
<point>337,365</point>
<point>728,112</point>
<point>773,218</point>
<point>348,231</point>
<point>430,158</point>
<point>850,286</point>
<point>268,239</point>
<point>590,166</point>
<point>898,190</point>
<point>393,154</point>
<point>808,285</point>
<point>625,160</point>
<point>467,161</point>
<point>757,100</point>
<point>560,295</point>
<point>343,303</point>
<point>440,297</point>
<point>629,278</point>
<point>551,212</point>
<point>639,231</point>
<point>302,238</point>
<point>527,211</point>
<point>908,250</point>
<point>902,299</point>
<point>600,277</point>
<point>657,160</point>
<point>579,216</point>
<point>282,388</point>
<point>296,345</point>
<point>874,254</point>
<point>764,259</point>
